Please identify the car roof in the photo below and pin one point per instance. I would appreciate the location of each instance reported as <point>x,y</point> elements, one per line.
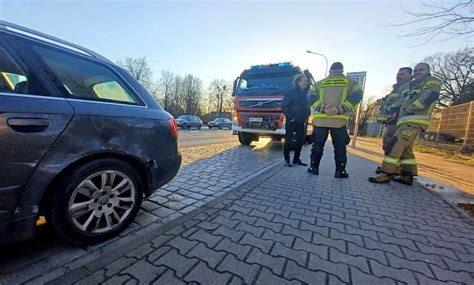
<point>31,34</point>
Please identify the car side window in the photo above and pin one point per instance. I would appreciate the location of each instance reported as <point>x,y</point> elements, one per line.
<point>14,78</point>
<point>83,79</point>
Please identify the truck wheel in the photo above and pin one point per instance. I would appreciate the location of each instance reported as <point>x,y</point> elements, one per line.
<point>245,138</point>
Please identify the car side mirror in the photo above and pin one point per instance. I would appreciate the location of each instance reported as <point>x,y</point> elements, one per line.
<point>234,87</point>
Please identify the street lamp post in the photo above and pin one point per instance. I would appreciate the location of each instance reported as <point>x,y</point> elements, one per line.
<point>325,58</point>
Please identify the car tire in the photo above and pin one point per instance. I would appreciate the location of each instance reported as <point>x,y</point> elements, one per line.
<point>96,201</point>
<point>199,127</point>
<point>220,127</point>
<point>230,127</point>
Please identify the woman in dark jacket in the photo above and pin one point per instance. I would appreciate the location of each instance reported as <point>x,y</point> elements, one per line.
<point>296,109</point>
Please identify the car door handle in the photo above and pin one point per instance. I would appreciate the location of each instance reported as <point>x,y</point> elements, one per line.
<point>28,125</point>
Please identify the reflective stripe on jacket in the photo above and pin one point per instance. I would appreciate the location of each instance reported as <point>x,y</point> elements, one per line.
<point>335,90</point>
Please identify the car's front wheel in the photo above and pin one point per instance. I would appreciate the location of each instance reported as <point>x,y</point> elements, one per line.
<point>96,201</point>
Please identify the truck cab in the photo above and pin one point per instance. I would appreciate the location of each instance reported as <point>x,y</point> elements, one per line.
<point>258,94</point>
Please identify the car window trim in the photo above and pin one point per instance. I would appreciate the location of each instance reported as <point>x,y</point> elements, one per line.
<point>65,99</point>
<point>33,96</point>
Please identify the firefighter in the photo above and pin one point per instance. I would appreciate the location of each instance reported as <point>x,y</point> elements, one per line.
<point>332,100</point>
<point>392,102</point>
<point>296,110</point>
<point>399,162</point>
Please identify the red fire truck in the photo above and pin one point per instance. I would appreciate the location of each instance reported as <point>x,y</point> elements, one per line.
<point>258,93</point>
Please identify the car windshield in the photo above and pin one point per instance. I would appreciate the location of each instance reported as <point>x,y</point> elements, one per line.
<point>265,82</point>
<point>183,117</point>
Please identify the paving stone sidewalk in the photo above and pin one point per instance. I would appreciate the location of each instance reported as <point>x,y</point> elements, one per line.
<point>288,227</point>
<point>196,184</point>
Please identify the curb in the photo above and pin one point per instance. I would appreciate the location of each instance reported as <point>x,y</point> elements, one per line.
<point>449,194</point>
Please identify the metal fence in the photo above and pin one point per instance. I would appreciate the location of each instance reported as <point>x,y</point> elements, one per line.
<point>452,125</point>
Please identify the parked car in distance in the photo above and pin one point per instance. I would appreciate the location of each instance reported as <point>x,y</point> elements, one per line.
<point>189,121</point>
<point>83,143</point>
<point>220,123</point>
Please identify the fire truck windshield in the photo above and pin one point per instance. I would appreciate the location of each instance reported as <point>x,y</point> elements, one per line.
<point>262,83</point>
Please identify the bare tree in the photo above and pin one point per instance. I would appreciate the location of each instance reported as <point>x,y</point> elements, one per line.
<point>139,69</point>
<point>210,99</point>
<point>192,90</point>
<point>455,70</point>
<point>218,89</point>
<point>445,21</point>
<point>165,84</point>
<point>368,109</point>
<point>176,101</point>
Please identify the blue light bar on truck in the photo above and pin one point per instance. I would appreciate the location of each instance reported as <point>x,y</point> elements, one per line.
<point>288,63</point>
<point>256,66</point>
<point>281,64</point>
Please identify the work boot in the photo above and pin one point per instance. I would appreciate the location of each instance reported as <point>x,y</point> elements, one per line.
<point>287,162</point>
<point>313,170</point>
<point>404,179</point>
<point>341,173</point>
<point>380,178</point>
<point>299,162</point>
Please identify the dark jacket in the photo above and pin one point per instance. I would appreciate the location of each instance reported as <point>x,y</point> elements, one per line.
<point>295,105</point>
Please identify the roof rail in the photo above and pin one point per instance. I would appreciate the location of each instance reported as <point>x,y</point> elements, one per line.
<point>10,26</point>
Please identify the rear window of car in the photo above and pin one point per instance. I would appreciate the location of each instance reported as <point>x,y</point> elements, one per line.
<point>111,90</point>
<point>84,79</point>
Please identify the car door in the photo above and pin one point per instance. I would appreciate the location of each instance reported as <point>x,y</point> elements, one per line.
<point>109,114</point>
<point>228,123</point>
<point>32,116</point>
<point>195,121</point>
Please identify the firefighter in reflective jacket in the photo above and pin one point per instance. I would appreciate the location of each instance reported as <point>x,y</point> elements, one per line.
<point>399,162</point>
<point>392,102</point>
<point>331,101</point>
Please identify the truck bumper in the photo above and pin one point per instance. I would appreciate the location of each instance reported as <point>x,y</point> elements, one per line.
<point>280,132</point>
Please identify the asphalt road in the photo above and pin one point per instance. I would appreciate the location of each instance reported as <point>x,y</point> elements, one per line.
<point>204,136</point>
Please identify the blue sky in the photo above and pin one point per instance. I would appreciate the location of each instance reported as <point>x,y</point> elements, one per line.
<point>218,39</point>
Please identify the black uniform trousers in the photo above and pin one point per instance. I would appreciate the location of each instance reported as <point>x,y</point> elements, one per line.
<point>294,131</point>
<point>340,138</point>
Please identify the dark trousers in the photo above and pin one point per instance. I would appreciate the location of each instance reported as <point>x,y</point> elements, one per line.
<point>294,131</point>
<point>340,139</point>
